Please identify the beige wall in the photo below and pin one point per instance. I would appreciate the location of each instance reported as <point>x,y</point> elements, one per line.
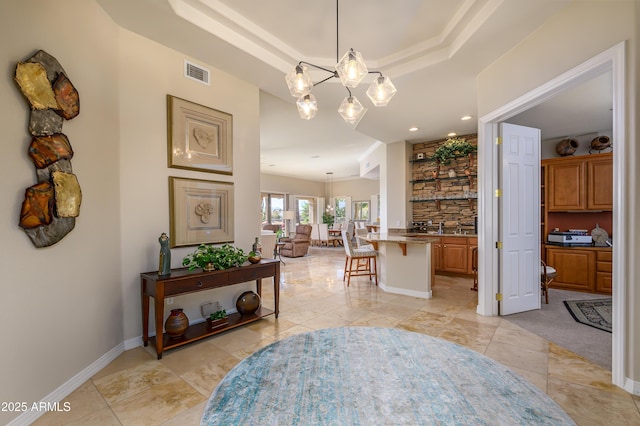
<point>357,189</point>
<point>289,185</point>
<point>563,42</point>
<point>148,72</point>
<point>62,305</point>
<point>70,304</point>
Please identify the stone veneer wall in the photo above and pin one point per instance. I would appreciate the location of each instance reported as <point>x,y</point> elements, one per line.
<point>456,214</point>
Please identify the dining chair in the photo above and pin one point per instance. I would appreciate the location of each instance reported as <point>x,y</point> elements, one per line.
<point>547,274</point>
<point>315,234</point>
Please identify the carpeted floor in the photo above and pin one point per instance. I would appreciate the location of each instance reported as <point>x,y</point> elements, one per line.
<point>371,375</point>
<point>555,323</point>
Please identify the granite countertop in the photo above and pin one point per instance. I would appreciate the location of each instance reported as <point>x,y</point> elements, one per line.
<point>398,238</point>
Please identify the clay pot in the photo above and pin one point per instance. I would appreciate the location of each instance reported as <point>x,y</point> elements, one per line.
<point>566,147</point>
<point>601,142</point>
<point>247,303</point>
<point>176,324</point>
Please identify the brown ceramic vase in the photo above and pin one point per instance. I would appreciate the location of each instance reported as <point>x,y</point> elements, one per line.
<point>176,324</point>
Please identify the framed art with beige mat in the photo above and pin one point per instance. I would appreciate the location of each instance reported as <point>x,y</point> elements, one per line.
<point>201,211</point>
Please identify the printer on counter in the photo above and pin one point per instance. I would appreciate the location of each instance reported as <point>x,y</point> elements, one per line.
<point>573,237</point>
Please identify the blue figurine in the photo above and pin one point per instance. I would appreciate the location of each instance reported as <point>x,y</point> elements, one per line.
<point>165,255</point>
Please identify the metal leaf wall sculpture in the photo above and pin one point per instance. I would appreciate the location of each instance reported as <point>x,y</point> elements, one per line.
<point>50,207</point>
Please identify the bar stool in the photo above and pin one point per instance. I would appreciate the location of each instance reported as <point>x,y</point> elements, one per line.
<point>547,274</point>
<point>365,261</point>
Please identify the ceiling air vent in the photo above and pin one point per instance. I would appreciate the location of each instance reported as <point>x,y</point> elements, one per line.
<point>197,73</point>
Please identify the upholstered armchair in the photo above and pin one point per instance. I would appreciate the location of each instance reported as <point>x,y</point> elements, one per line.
<point>270,227</point>
<point>299,244</point>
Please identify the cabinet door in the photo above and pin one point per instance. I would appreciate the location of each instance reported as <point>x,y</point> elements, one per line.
<point>436,255</point>
<point>600,184</point>
<point>471,244</point>
<point>454,255</point>
<point>603,282</point>
<point>566,185</point>
<point>576,268</point>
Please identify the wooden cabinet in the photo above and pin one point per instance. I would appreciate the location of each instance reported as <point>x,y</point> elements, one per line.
<point>182,281</point>
<point>472,242</point>
<point>603,272</point>
<point>453,254</point>
<point>436,254</point>
<point>600,183</point>
<point>579,183</point>
<point>585,269</point>
<point>566,185</point>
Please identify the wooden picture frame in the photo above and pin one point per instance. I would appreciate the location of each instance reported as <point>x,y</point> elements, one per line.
<point>198,137</point>
<point>201,211</point>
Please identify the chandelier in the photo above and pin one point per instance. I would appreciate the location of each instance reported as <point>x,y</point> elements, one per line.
<point>350,69</point>
<point>328,190</point>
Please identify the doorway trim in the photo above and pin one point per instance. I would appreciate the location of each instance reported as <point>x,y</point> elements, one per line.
<point>612,59</point>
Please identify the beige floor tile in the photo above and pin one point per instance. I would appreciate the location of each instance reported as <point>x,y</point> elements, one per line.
<point>516,356</point>
<point>158,404</point>
<point>567,366</point>
<point>86,406</point>
<point>127,359</point>
<point>190,417</point>
<point>204,377</point>
<point>125,384</point>
<point>138,389</point>
<point>590,406</point>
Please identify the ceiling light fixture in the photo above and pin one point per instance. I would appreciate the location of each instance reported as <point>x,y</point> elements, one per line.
<point>452,134</point>
<point>413,129</point>
<point>351,70</point>
<point>328,190</point>
<point>465,117</point>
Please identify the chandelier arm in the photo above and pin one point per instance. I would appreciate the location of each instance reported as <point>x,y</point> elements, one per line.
<point>322,81</point>
<point>316,66</point>
<point>375,72</point>
<point>348,90</point>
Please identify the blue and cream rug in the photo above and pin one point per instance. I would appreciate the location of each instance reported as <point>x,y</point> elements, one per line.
<point>375,376</point>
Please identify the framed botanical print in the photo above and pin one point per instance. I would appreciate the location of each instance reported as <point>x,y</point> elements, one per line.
<point>199,138</point>
<point>201,211</point>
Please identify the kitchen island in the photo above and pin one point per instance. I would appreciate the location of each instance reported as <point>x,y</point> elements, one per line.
<point>404,263</point>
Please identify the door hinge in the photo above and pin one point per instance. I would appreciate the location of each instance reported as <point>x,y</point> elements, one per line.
<point>498,140</point>
<point>499,245</point>
<point>499,297</point>
<point>498,193</point>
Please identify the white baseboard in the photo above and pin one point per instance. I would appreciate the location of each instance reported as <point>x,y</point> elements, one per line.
<point>71,385</point>
<point>632,386</point>
<point>405,292</point>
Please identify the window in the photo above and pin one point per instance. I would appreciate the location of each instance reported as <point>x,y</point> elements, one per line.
<point>272,209</point>
<point>361,210</point>
<point>341,210</point>
<point>305,210</point>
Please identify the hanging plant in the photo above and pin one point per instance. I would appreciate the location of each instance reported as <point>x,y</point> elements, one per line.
<point>452,148</point>
<point>223,257</point>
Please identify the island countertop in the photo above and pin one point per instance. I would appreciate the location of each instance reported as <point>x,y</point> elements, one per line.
<point>401,238</point>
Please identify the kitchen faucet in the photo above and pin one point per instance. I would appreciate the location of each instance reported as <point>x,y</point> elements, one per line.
<point>440,227</point>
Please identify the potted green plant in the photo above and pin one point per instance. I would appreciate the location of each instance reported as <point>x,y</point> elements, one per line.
<point>217,319</point>
<point>209,257</point>
<point>279,234</point>
<point>452,148</point>
<point>254,256</point>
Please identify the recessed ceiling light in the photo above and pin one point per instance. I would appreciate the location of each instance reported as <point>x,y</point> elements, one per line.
<point>465,117</point>
<point>413,129</point>
<point>452,134</point>
<point>316,156</point>
<point>272,165</point>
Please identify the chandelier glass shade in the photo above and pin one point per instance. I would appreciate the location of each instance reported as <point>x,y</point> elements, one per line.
<point>307,106</point>
<point>350,70</point>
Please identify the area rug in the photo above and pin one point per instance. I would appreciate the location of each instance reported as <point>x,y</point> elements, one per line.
<point>594,312</point>
<point>375,376</point>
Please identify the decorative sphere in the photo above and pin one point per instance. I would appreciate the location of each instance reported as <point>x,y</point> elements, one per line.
<point>248,303</point>
<point>255,259</point>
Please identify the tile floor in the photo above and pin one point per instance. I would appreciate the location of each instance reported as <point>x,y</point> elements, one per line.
<point>138,389</point>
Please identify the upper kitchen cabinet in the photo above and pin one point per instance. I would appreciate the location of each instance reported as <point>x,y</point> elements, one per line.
<point>580,183</point>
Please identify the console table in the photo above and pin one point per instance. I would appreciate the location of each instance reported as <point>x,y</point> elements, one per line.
<point>182,281</point>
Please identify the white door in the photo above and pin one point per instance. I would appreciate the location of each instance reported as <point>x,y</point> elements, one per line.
<point>519,219</point>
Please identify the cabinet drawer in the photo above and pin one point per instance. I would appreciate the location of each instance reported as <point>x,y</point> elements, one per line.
<point>250,274</point>
<point>195,284</point>
<point>605,256</point>
<point>603,282</point>
<point>603,266</point>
